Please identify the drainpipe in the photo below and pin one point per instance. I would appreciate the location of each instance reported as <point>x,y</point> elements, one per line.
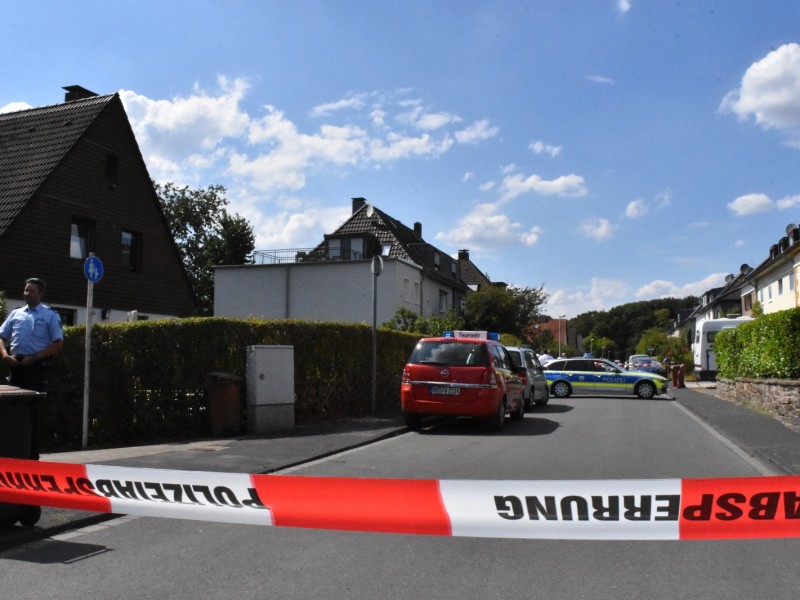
<point>287,294</point>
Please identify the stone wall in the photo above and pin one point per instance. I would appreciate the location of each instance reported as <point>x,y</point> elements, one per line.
<point>780,397</point>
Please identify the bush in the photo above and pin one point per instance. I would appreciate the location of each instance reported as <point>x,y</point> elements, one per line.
<point>768,347</point>
<point>148,379</point>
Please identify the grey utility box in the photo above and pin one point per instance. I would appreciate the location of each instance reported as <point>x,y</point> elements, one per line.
<point>270,388</point>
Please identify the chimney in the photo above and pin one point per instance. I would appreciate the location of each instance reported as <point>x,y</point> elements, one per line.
<point>76,92</point>
<point>463,255</point>
<point>358,203</point>
<point>418,229</point>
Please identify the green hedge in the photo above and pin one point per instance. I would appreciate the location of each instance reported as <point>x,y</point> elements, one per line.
<point>149,379</point>
<point>768,347</point>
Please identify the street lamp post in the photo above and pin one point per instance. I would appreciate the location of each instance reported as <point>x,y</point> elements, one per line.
<point>559,334</point>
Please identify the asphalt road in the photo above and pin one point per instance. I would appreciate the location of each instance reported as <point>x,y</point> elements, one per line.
<point>577,438</point>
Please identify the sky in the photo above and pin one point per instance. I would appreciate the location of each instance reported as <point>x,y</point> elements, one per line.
<point>610,151</point>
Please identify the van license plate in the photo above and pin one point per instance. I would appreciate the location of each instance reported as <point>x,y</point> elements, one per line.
<point>445,391</point>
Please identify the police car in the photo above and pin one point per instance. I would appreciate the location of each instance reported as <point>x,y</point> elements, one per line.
<point>598,376</point>
<point>463,373</point>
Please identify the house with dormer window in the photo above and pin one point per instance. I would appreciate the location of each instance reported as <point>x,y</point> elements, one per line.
<point>73,183</point>
<point>334,280</point>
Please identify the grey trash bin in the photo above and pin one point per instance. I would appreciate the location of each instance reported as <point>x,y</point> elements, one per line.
<point>17,411</point>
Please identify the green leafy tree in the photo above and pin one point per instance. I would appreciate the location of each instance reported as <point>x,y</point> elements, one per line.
<point>625,324</point>
<point>529,303</point>
<point>206,235</point>
<point>491,308</point>
<point>407,320</point>
<point>653,341</point>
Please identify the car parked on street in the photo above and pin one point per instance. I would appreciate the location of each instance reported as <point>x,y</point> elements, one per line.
<point>466,374</point>
<point>633,358</point>
<point>648,365</point>
<point>535,390</point>
<point>598,376</point>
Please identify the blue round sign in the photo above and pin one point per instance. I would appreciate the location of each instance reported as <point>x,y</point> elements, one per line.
<point>93,269</point>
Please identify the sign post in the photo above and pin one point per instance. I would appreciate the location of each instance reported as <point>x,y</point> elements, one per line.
<point>377,267</point>
<point>93,269</point>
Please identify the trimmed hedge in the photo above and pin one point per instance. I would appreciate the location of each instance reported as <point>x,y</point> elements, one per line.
<point>768,347</point>
<point>149,379</point>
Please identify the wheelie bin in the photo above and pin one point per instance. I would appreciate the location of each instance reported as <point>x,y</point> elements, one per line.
<point>18,409</point>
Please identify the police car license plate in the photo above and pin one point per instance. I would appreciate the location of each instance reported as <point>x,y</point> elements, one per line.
<point>444,391</point>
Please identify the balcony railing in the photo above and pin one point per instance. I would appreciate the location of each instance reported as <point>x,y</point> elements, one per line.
<point>297,255</point>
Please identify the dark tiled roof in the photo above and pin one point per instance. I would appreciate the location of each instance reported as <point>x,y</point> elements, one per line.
<point>33,142</point>
<point>385,229</point>
<point>472,275</point>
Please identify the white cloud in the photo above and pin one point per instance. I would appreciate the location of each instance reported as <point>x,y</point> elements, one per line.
<point>397,147</point>
<point>601,295</point>
<point>600,79</point>
<point>287,229</point>
<point>184,125</point>
<point>539,147</point>
<point>467,176</point>
<point>14,107</point>
<point>788,202</point>
<point>324,110</point>
<point>484,228</point>
<point>636,209</point>
<point>565,186</point>
<point>665,289</point>
<point>184,137</point>
<point>424,120</point>
<point>770,90</point>
<point>597,228</point>
<point>751,204</point>
<point>623,6</point>
<point>485,187</point>
<point>477,132</point>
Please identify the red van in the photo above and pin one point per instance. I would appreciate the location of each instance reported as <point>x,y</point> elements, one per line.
<point>467,374</point>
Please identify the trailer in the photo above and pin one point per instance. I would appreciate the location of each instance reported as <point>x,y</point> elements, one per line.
<point>705,359</point>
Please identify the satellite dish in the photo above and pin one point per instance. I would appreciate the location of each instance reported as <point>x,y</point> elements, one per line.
<point>370,210</point>
<point>745,269</point>
<point>790,227</point>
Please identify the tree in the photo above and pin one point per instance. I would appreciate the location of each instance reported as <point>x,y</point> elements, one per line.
<point>491,308</point>
<point>529,303</point>
<point>433,326</point>
<point>206,235</point>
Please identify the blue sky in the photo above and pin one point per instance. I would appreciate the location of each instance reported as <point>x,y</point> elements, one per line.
<point>610,150</point>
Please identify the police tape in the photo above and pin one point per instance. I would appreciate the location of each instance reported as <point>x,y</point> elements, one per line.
<point>647,509</point>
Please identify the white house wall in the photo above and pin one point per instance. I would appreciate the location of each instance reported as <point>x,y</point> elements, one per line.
<point>776,289</point>
<point>325,291</point>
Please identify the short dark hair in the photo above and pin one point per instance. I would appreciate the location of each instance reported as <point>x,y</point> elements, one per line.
<point>40,283</point>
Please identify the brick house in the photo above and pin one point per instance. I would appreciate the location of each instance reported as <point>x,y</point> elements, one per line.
<point>73,182</point>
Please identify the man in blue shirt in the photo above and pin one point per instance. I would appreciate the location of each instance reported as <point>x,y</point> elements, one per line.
<point>35,335</point>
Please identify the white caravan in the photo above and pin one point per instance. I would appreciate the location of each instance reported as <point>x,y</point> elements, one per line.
<point>705,359</point>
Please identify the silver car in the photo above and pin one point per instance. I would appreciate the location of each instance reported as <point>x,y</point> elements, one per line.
<point>536,390</point>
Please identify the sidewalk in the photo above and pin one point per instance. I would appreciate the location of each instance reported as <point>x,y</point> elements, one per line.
<point>246,454</point>
<point>757,434</point>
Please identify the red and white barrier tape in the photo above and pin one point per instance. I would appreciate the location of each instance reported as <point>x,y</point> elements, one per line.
<point>657,509</point>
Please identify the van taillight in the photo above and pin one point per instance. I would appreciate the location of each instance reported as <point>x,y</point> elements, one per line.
<point>489,377</point>
<point>406,376</point>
